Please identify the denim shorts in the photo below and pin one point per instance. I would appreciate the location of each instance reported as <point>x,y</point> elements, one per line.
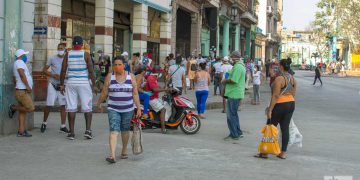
<point>119,121</point>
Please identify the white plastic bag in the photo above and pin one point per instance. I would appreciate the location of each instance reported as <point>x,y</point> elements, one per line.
<point>295,137</point>
<point>187,82</point>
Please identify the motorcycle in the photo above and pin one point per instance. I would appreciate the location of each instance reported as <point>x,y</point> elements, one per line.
<point>179,112</point>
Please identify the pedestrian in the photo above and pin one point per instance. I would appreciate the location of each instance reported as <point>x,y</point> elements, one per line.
<point>143,95</point>
<point>176,75</point>
<point>343,69</point>
<point>333,66</point>
<point>257,75</point>
<point>274,70</point>
<point>248,74</point>
<point>53,91</point>
<point>217,75</point>
<point>235,92</point>
<point>23,89</point>
<point>135,61</point>
<point>172,59</point>
<point>282,105</point>
<point>317,75</point>
<point>77,67</point>
<point>104,66</point>
<point>202,83</point>
<point>192,68</point>
<point>226,67</point>
<point>127,63</point>
<point>122,92</point>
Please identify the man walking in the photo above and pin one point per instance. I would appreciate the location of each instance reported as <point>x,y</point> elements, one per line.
<point>234,91</point>
<point>23,88</point>
<point>77,65</point>
<point>53,91</point>
<point>317,75</point>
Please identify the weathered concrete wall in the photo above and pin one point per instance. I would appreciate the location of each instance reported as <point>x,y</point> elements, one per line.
<point>16,30</point>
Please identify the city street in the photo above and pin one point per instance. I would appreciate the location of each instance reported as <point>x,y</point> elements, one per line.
<point>328,118</point>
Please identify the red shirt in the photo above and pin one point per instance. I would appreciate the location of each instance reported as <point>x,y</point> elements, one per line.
<point>151,84</point>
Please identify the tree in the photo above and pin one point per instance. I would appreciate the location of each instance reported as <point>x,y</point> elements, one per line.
<point>339,18</point>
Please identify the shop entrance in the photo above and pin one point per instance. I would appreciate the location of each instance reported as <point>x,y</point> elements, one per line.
<point>183,32</point>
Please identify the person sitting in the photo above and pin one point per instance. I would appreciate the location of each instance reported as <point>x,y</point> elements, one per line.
<point>144,96</point>
<point>156,103</point>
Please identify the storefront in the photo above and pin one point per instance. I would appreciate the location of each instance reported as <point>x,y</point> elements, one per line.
<point>122,33</point>
<point>153,35</point>
<point>78,19</point>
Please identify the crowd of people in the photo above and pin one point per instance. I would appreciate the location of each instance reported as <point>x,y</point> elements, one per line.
<point>74,76</point>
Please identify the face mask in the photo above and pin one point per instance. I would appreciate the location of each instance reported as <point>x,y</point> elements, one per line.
<point>61,53</point>
<point>119,69</point>
<point>24,58</point>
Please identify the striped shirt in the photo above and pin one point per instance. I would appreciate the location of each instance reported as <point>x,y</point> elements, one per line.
<point>121,95</point>
<point>77,69</point>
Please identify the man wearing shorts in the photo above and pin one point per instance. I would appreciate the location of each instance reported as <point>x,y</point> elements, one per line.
<point>53,91</point>
<point>78,68</point>
<point>155,102</point>
<point>23,88</point>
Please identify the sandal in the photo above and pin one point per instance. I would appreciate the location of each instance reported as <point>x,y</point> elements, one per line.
<point>261,156</point>
<point>111,160</point>
<point>281,157</point>
<point>124,156</point>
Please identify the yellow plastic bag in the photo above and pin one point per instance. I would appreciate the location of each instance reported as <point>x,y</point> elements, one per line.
<point>269,143</point>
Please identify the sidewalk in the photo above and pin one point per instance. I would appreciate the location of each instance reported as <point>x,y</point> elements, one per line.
<point>213,102</point>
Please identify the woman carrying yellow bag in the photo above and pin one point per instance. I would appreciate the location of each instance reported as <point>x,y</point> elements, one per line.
<point>280,111</point>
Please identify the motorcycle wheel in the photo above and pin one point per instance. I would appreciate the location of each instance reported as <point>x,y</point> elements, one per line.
<point>194,128</point>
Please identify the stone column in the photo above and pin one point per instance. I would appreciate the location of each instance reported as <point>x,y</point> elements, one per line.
<point>173,26</point>
<point>46,37</point>
<point>237,37</point>
<point>104,22</point>
<point>195,34</point>
<point>247,43</point>
<point>165,36</point>
<point>225,49</point>
<point>140,28</point>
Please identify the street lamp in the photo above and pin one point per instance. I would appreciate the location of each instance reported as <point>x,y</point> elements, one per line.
<point>234,10</point>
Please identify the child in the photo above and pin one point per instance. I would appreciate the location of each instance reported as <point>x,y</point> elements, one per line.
<point>256,84</point>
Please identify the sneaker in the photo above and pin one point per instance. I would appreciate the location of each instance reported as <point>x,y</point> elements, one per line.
<point>237,138</point>
<point>43,128</point>
<point>88,134</point>
<point>64,130</point>
<point>71,136</point>
<point>11,112</point>
<point>228,138</point>
<point>24,134</point>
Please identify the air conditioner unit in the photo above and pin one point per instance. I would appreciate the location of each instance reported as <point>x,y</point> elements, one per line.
<point>269,9</point>
<point>268,36</point>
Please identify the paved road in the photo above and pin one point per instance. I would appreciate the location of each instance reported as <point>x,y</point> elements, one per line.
<point>327,116</point>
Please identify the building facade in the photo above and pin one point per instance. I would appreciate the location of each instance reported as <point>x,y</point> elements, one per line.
<point>16,31</point>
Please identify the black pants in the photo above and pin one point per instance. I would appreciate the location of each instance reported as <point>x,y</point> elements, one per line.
<point>317,77</point>
<point>282,114</point>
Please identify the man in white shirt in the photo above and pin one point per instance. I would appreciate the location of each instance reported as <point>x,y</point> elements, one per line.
<point>226,67</point>
<point>53,91</point>
<point>23,85</point>
<point>177,75</point>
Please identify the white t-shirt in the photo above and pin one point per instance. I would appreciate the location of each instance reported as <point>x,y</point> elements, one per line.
<point>217,67</point>
<point>177,74</point>
<point>19,64</point>
<point>226,68</point>
<point>256,78</point>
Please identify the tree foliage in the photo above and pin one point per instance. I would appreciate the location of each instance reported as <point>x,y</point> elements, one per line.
<point>339,18</point>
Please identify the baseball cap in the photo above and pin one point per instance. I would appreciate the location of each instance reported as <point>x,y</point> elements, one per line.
<point>226,58</point>
<point>235,54</point>
<point>20,52</point>
<point>78,40</point>
<point>125,53</point>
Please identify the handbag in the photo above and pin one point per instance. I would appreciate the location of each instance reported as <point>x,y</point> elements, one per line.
<point>136,139</point>
<point>269,143</point>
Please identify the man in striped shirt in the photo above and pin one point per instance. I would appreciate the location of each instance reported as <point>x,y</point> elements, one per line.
<point>78,67</point>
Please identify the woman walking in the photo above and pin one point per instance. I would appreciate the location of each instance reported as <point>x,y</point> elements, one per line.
<point>282,105</point>
<point>123,94</point>
<point>256,84</point>
<point>202,83</point>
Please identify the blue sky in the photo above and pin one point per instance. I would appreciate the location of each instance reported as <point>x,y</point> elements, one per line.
<point>298,13</point>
